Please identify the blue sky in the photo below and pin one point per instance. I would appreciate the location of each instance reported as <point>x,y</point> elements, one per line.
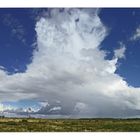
<point>16,38</point>
<point>123,23</point>
<point>25,35</point>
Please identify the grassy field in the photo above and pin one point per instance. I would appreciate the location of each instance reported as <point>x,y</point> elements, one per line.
<point>69,125</point>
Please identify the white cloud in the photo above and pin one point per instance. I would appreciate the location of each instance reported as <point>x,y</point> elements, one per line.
<point>136,35</point>
<point>5,107</point>
<point>44,104</point>
<point>55,108</point>
<point>120,53</point>
<point>69,67</point>
<point>16,28</point>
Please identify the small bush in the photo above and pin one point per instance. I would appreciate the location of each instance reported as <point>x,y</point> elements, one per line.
<point>24,121</point>
<point>11,123</point>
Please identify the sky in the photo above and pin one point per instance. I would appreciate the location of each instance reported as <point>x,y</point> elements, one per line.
<point>70,63</point>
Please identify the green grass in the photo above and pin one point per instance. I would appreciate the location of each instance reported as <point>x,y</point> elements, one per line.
<point>69,125</point>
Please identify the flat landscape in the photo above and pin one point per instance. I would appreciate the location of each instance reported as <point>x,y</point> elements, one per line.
<point>69,125</point>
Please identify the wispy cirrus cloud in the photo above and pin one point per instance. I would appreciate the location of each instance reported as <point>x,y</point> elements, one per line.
<point>16,27</point>
<point>120,52</point>
<point>136,35</point>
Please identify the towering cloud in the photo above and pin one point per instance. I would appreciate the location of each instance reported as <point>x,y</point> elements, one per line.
<point>70,71</point>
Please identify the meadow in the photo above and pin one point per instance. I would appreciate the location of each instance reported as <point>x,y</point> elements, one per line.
<point>68,125</point>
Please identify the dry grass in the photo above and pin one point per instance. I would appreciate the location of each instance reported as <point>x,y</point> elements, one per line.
<point>69,125</point>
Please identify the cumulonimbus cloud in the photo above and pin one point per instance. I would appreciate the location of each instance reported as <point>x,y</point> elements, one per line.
<point>68,66</point>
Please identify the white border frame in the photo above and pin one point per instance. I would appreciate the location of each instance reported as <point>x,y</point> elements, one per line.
<point>69,3</point>
<point>70,136</point>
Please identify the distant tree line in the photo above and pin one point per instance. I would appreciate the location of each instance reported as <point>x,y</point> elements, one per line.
<point>2,116</point>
